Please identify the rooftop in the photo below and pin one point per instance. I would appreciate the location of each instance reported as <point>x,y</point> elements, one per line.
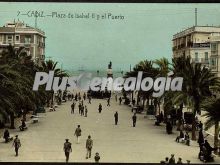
<point>18,27</point>
<point>203,29</point>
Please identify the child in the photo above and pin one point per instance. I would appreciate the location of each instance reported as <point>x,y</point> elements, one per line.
<point>97,157</point>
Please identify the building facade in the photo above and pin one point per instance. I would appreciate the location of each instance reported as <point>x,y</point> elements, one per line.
<point>215,53</point>
<point>18,35</point>
<point>199,43</point>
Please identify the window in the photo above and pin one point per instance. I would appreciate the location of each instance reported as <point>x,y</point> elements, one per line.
<point>27,39</point>
<point>213,47</point>
<point>206,57</point>
<point>17,38</point>
<point>196,57</point>
<point>213,61</point>
<point>9,37</point>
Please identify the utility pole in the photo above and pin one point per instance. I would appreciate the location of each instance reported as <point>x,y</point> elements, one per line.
<point>35,20</point>
<point>195,16</point>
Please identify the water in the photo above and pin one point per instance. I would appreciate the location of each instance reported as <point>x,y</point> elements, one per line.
<point>102,73</point>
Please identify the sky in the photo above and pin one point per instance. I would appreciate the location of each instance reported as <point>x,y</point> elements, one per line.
<point>145,32</point>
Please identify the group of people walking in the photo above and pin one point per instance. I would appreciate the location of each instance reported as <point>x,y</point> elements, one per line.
<point>67,147</point>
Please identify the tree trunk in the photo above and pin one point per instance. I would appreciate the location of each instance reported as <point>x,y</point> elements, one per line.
<point>143,101</point>
<point>12,118</point>
<point>216,141</point>
<point>158,104</point>
<point>195,110</point>
<point>52,94</point>
<point>194,128</point>
<point>24,115</point>
<point>132,95</point>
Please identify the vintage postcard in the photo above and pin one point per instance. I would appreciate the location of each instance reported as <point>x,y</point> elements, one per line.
<point>109,82</point>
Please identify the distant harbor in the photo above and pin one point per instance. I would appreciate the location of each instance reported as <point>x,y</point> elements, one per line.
<point>100,73</point>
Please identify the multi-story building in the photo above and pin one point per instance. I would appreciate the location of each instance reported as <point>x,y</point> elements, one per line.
<point>198,43</point>
<point>18,35</point>
<point>215,53</point>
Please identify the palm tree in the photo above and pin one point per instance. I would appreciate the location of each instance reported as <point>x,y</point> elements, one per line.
<point>163,66</point>
<point>148,70</point>
<point>50,65</point>
<point>16,79</point>
<point>211,107</point>
<point>198,82</point>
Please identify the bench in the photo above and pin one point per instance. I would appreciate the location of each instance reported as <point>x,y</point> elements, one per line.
<point>35,120</point>
<point>151,117</point>
<point>51,109</point>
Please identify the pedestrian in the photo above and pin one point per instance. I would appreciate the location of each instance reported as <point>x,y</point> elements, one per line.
<point>84,96</point>
<point>169,127</point>
<point>82,110</point>
<point>200,125</point>
<point>89,145</point>
<point>116,117</point>
<point>134,119</point>
<point>80,107</point>
<point>73,107</point>
<point>179,161</point>
<point>97,157</point>
<point>82,102</point>
<point>200,138</point>
<point>166,160</point>
<point>79,97</point>
<point>77,133</point>
<point>108,101</point>
<point>17,144</point>
<point>86,111</point>
<point>67,149</point>
<point>100,108</point>
<point>76,97</point>
<point>187,139</point>
<point>172,160</point>
<point>23,126</point>
<point>116,97</point>
<point>6,136</point>
<point>89,99</point>
<point>133,102</point>
<point>120,100</point>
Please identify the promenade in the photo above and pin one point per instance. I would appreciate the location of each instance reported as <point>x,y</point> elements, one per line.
<point>145,143</point>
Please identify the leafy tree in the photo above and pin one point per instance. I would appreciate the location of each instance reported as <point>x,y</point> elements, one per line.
<point>212,113</point>
<point>198,83</point>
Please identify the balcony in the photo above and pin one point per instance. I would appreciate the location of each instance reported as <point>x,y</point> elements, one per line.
<point>174,48</point>
<point>213,67</point>
<point>200,60</point>
<point>204,61</point>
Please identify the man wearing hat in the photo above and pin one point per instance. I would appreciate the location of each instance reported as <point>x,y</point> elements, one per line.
<point>67,149</point>
<point>172,159</point>
<point>17,144</point>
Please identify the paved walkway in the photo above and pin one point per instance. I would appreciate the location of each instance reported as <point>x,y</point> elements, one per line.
<point>43,141</point>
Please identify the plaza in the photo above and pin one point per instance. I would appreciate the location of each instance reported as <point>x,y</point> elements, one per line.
<point>145,143</point>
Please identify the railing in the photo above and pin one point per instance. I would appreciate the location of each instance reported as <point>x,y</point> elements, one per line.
<point>200,60</point>
<point>213,67</point>
<point>204,60</point>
